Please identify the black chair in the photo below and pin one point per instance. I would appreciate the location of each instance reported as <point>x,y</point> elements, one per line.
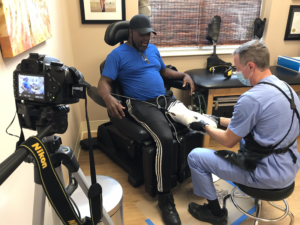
<point>128,144</point>
<point>260,195</point>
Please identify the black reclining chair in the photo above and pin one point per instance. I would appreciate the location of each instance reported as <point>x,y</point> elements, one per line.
<point>128,144</point>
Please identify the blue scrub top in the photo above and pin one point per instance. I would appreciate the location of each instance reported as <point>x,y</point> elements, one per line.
<point>138,79</point>
<point>267,112</point>
<point>42,90</point>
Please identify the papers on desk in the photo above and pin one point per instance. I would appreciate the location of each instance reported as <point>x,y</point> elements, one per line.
<point>289,63</point>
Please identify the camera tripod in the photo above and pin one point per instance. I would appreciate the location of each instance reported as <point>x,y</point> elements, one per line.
<point>48,120</point>
<point>64,155</point>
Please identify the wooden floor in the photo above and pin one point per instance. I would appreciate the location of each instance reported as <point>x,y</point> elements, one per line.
<point>131,196</point>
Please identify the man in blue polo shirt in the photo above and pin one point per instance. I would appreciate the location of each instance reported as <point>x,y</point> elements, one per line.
<point>266,123</point>
<point>26,86</point>
<point>139,68</point>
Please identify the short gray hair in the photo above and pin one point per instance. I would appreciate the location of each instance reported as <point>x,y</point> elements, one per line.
<point>254,51</point>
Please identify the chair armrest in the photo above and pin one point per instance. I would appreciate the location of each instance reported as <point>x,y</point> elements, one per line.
<point>92,92</point>
<point>176,84</point>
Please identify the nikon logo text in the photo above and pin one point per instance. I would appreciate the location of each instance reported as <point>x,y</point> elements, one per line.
<point>40,153</point>
<point>72,222</point>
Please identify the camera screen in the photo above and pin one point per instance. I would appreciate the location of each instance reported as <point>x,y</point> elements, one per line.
<point>31,87</point>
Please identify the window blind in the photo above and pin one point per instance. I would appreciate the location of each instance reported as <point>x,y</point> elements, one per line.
<point>184,23</point>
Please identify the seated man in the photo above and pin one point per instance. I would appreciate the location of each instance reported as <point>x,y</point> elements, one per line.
<point>265,121</point>
<point>139,68</point>
<point>26,86</point>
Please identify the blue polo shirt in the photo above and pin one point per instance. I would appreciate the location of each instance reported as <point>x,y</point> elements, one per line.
<point>138,79</point>
<point>267,112</point>
<point>26,84</point>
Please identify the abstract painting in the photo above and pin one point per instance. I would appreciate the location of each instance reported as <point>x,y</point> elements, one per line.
<point>23,25</point>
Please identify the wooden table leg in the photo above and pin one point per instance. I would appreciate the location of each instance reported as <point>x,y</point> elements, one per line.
<point>209,106</point>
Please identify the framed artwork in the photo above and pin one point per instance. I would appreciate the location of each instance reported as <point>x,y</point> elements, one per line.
<point>292,31</point>
<point>23,25</point>
<point>102,11</point>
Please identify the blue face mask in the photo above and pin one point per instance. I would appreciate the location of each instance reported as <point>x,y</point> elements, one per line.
<point>242,79</point>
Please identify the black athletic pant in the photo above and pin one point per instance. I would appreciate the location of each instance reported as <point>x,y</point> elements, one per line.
<point>155,122</point>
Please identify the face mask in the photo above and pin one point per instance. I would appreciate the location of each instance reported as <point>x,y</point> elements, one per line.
<point>242,79</point>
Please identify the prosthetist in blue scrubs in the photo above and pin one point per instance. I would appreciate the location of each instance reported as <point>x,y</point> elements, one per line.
<point>266,112</point>
<point>266,124</point>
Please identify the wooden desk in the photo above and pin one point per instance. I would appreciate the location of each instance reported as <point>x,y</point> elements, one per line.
<point>218,86</point>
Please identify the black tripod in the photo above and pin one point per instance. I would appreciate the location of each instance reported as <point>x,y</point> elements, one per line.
<point>47,121</point>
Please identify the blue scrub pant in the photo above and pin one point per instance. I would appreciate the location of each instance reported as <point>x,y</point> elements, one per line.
<point>203,162</point>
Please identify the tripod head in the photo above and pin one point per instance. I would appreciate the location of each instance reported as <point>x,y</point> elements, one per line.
<point>37,117</point>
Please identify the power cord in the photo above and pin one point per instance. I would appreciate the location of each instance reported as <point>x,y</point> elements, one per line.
<point>200,96</point>
<point>10,126</point>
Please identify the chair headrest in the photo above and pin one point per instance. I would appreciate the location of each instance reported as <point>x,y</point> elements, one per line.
<point>116,32</point>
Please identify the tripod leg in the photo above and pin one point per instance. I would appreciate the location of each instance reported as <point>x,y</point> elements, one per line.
<point>82,181</point>
<point>38,205</point>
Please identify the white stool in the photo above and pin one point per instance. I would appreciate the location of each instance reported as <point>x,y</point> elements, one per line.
<point>112,194</point>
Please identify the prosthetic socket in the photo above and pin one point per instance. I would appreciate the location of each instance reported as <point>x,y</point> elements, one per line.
<point>181,114</point>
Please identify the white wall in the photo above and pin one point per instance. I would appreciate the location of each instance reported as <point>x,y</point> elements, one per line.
<point>276,12</point>
<point>90,49</point>
<point>16,194</point>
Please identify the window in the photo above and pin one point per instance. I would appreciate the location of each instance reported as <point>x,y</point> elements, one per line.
<point>183,23</point>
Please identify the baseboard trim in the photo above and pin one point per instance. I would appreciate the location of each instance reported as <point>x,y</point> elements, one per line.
<point>83,129</point>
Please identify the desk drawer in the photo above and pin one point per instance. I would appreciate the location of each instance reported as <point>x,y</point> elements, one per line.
<point>224,106</point>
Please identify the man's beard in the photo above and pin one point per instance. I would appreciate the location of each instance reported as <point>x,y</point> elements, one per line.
<point>141,48</point>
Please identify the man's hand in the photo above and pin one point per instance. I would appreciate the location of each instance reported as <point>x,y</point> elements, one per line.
<point>198,126</point>
<point>188,79</point>
<point>114,107</point>
<point>214,118</point>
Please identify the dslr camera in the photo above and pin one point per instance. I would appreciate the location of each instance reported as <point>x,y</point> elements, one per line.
<point>44,80</point>
<point>41,85</point>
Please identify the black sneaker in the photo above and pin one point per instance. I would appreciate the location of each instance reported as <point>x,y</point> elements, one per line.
<point>204,214</point>
<point>168,210</point>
